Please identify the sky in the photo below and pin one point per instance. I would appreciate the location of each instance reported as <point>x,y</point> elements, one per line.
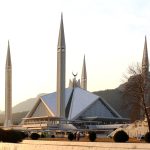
<point>109,32</point>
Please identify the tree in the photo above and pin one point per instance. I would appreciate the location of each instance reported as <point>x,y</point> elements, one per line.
<point>137,87</point>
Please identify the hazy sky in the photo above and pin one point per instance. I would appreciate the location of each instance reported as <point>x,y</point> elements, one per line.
<point>109,32</point>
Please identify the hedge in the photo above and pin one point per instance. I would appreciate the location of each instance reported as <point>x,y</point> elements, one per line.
<point>147,137</point>
<point>121,136</point>
<point>70,136</point>
<point>11,136</point>
<point>92,136</point>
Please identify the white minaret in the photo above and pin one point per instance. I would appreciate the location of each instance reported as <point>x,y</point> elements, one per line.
<point>145,73</point>
<point>84,76</point>
<point>61,68</point>
<point>145,61</point>
<point>8,90</point>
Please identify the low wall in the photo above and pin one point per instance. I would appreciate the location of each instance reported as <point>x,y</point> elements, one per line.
<point>67,145</point>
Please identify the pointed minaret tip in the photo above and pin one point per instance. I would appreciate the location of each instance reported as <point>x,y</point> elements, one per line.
<point>145,45</point>
<point>61,38</point>
<point>61,15</point>
<point>8,43</point>
<point>145,60</point>
<point>84,75</point>
<point>8,58</point>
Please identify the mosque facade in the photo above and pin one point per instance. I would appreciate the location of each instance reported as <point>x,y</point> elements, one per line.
<point>74,104</point>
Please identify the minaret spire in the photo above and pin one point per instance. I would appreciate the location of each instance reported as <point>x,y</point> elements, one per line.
<point>84,75</point>
<point>8,59</point>
<point>145,60</point>
<point>8,89</point>
<point>61,38</point>
<point>61,68</point>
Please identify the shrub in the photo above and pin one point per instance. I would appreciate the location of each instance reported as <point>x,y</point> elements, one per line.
<point>2,133</point>
<point>52,136</point>
<point>12,136</point>
<point>70,136</point>
<point>121,136</point>
<point>34,136</point>
<point>92,136</point>
<point>147,137</point>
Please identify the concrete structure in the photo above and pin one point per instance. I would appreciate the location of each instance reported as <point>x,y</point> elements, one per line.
<point>73,104</point>
<point>145,60</point>
<point>146,75</point>
<point>61,64</point>
<point>83,109</point>
<point>84,76</point>
<point>68,145</point>
<point>8,90</point>
<point>74,82</point>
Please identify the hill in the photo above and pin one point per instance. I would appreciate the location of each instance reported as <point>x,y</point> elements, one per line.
<point>16,117</point>
<point>19,111</point>
<point>24,106</point>
<point>116,99</point>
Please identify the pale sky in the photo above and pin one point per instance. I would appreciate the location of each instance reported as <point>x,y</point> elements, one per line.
<point>109,32</point>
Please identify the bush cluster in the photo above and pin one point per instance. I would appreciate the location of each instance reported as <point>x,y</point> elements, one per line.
<point>92,136</point>
<point>12,136</point>
<point>147,137</point>
<point>70,136</point>
<point>121,136</point>
<point>34,136</point>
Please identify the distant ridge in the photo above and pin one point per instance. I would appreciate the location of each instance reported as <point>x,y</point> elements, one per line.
<point>24,106</point>
<point>115,98</point>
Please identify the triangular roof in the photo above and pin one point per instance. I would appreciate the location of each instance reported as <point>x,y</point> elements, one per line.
<point>77,102</point>
<point>80,101</point>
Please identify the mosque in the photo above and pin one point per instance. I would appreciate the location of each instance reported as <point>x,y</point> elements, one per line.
<point>74,105</point>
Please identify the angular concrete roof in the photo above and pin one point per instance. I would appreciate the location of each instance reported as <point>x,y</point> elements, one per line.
<point>50,99</point>
<point>79,103</point>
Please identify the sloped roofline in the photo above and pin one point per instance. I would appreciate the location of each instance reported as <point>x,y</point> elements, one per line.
<point>113,111</point>
<point>110,107</point>
<point>84,109</point>
<point>49,110</point>
<point>30,113</point>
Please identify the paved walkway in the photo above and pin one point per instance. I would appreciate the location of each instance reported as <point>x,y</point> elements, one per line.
<point>67,145</point>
